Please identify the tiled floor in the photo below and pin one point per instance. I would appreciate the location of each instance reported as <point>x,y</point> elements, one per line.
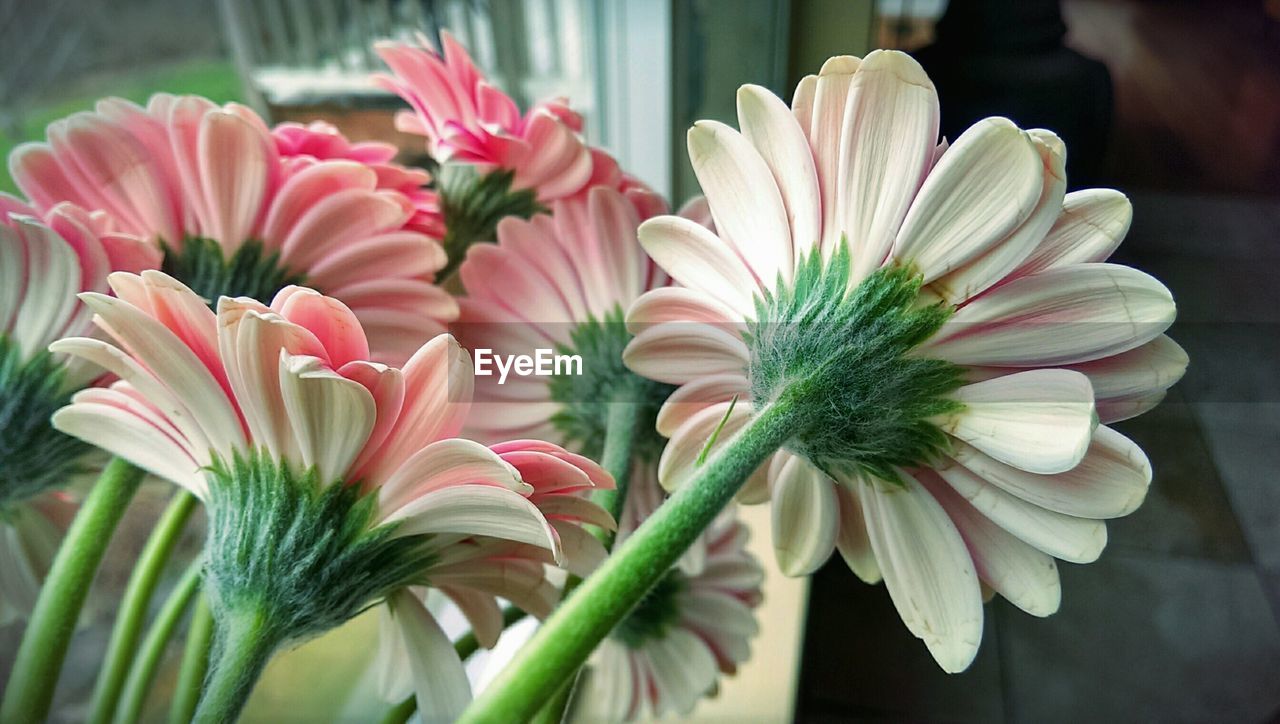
<point>1179,619</point>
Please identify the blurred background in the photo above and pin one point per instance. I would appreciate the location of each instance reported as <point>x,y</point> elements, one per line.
<point>1176,103</point>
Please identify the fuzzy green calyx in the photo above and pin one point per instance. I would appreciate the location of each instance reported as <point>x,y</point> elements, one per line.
<point>583,417</point>
<point>869,399</point>
<point>34,457</point>
<point>202,265</point>
<point>655,614</point>
<point>473,203</point>
<point>305,555</point>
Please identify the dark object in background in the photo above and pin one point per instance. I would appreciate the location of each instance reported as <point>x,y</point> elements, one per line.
<point>1007,58</point>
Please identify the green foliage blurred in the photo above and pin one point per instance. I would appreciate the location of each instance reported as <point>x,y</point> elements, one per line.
<point>214,79</point>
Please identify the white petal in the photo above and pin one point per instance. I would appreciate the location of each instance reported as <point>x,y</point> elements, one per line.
<point>680,352</point>
<point>393,672</point>
<point>997,263</point>
<point>683,668</point>
<point>439,679</point>
<point>806,516</point>
<point>444,463</point>
<point>1092,224</point>
<point>830,96</point>
<point>1020,573</point>
<point>52,278</point>
<point>1154,366</point>
<point>482,612</point>
<point>679,461</point>
<point>1109,482</point>
<point>886,146</point>
<point>852,540</point>
<point>1057,317</point>
<point>1117,409</point>
<point>698,259</point>
<point>475,510</point>
<point>1077,540</point>
<point>772,129</point>
<point>331,416</point>
<point>984,187</point>
<point>802,102</point>
<point>129,436</point>
<point>1040,421</point>
<point>696,396</point>
<point>679,304</point>
<point>927,570</point>
<point>745,201</point>
<point>581,552</point>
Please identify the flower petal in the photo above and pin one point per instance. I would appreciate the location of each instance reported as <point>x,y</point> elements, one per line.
<point>680,352</point>
<point>331,416</point>
<point>690,399</point>
<point>1058,317</point>
<point>745,200</point>
<point>1092,224</point>
<point>1076,540</point>
<point>984,187</point>
<point>475,510</point>
<point>1020,573</point>
<point>927,570</point>
<point>698,259</point>
<point>772,129</point>
<point>826,127</point>
<point>444,463</point>
<point>1109,482</point>
<point>806,516</point>
<point>886,146</point>
<point>995,265</point>
<point>853,541</point>
<point>1040,421</point>
<point>440,681</point>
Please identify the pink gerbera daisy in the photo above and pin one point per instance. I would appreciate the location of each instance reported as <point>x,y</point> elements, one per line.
<point>495,161</point>
<point>558,282</point>
<point>209,185</point>
<point>467,120</point>
<point>943,323</point>
<point>44,262</point>
<point>331,482</point>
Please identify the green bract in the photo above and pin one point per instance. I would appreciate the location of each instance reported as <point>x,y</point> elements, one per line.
<point>34,457</point>
<point>654,614</point>
<point>473,203</point>
<point>250,272</point>
<point>585,399</point>
<point>305,556</point>
<point>849,354</point>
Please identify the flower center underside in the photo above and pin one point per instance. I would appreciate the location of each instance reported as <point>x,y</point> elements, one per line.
<point>655,613</point>
<point>585,399</point>
<point>203,266</point>
<point>848,353</point>
<point>34,457</point>
<point>473,203</point>
<point>310,555</point>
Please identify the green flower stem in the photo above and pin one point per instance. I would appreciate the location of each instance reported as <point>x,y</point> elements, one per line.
<point>244,641</point>
<point>569,635</point>
<point>620,435</point>
<point>400,713</point>
<point>138,684</point>
<point>195,663</point>
<point>554,710</point>
<point>44,645</point>
<point>134,605</point>
<point>466,645</point>
<point>619,440</point>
